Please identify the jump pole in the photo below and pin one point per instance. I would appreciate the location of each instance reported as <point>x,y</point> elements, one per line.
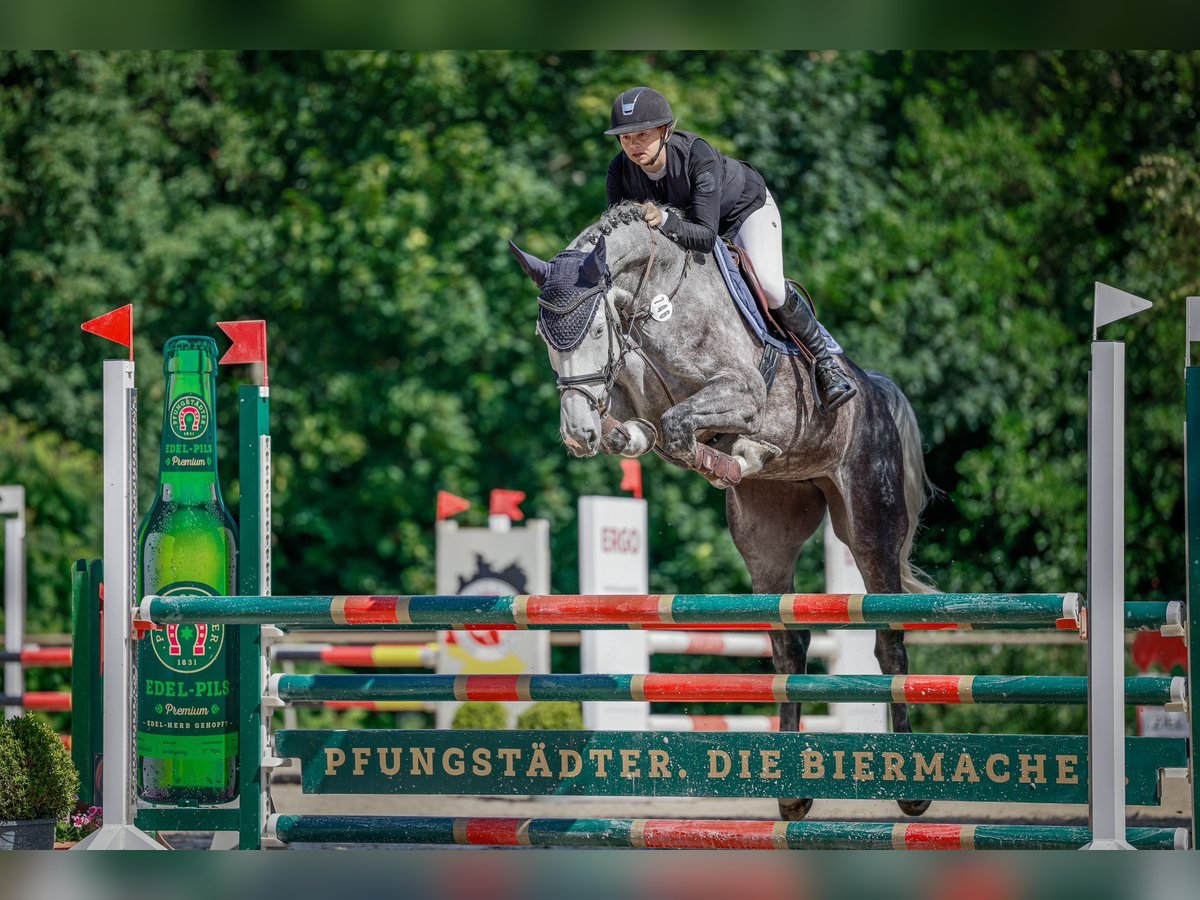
<point>1106,572</point>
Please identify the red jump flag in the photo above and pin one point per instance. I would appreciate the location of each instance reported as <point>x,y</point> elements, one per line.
<point>1152,649</point>
<point>449,504</point>
<point>631,477</point>
<point>115,326</point>
<point>249,343</point>
<point>507,503</point>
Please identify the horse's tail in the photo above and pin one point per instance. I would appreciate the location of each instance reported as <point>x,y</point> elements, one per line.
<point>918,489</point>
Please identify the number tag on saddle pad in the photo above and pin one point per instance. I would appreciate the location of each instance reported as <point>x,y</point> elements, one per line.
<point>660,308</point>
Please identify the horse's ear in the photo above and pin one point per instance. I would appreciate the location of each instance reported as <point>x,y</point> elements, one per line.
<point>535,268</point>
<point>596,263</point>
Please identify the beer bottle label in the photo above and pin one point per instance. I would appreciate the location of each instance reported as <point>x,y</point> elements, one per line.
<point>189,439</point>
<point>185,693</point>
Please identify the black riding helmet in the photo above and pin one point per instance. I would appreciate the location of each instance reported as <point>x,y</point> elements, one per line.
<point>640,109</point>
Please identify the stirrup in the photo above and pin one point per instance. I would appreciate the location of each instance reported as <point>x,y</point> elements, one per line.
<point>840,400</point>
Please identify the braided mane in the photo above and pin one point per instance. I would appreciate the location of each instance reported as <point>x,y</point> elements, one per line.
<point>627,212</point>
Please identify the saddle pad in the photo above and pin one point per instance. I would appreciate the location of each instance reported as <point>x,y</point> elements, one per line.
<point>748,307</point>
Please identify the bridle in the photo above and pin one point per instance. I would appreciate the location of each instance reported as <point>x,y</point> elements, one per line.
<point>620,342</point>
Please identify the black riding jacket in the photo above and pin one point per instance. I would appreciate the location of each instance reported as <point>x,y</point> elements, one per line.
<point>715,192</point>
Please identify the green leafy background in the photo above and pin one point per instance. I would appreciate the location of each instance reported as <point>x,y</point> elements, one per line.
<point>950,213</point>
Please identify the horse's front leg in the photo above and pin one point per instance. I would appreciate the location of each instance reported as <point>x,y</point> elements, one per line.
<point>631,437</point>
<point>727,404</point>
<point>623,432</point>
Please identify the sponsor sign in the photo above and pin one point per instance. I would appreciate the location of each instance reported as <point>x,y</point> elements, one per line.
<point>964,767</point>
<point>497,562</point>
<point>614,558</point>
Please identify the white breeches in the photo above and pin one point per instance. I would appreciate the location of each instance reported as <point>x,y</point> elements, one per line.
<point>761,236</point>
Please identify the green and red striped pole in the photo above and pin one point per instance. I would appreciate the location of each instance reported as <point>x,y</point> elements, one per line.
<point>697,834</point>
<point>626,611</point>
<point>47,701</point>
<point>653,611</point>
<point>39,657</point>
<point>1156,690</point>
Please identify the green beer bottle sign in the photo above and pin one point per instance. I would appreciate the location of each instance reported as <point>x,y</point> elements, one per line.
<point>187,698</point>
<point>187,648</point>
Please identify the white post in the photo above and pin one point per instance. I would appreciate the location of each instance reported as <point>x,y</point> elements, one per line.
<point>855,649</point>
<point>12,503</point>
<point>614,559</point>
<point>1106,574</point>
<point>120,579</point>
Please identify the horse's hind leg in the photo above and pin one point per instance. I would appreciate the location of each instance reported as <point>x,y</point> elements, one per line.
<point>875,536</point>
<point>769,522</point>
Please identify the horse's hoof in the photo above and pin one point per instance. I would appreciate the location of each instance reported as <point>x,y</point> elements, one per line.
<point>913,807</point>
<point>793,809</point>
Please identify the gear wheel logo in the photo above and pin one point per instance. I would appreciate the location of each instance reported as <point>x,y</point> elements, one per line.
<point>490,643</point>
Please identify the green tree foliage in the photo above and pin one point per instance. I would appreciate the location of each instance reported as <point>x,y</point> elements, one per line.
<point>61,481</point>
<point>949,211</point>
<point>1018,180</point>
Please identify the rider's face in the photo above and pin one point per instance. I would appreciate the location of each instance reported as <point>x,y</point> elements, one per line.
<point>641,146</point>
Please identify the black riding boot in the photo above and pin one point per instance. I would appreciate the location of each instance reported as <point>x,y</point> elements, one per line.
<point>833,387</point>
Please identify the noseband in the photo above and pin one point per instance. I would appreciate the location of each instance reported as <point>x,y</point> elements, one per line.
<point>620,342</point>
<point>618,347</point>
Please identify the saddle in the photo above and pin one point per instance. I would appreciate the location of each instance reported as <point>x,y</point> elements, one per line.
<point>751,301</point>
<point>746,270</point>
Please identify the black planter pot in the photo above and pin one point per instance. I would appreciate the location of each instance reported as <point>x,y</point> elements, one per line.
<point>34,834</point>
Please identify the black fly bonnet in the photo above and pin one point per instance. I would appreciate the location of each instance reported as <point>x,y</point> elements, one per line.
<point>568,301</point>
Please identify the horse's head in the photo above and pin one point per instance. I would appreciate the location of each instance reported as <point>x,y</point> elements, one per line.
<point>580,326</point>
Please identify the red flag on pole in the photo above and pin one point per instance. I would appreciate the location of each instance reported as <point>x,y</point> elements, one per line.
<point>115,326</point>
<point>1150,649</point>
<point>449,504</point>
<point>507,503</point>
<point>631,477</point>
<point>249,343</point>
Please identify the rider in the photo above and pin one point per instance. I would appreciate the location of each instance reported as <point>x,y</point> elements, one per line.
<point>718,195</point>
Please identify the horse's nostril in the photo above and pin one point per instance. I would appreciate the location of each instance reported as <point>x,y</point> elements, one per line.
<point>582,442</point>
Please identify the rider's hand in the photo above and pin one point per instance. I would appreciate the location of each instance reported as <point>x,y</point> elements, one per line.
<point>652,214</point>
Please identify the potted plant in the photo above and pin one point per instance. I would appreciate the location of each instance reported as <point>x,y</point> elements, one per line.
<point>77,826</point>
<point>486,714</point>
<point>38,783</point>
<point>552,715</point>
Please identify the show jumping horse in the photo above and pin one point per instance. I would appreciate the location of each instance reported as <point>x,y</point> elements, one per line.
<point>651,356</point>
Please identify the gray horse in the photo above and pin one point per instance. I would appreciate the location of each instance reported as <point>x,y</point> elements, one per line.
<point>652,356</point>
